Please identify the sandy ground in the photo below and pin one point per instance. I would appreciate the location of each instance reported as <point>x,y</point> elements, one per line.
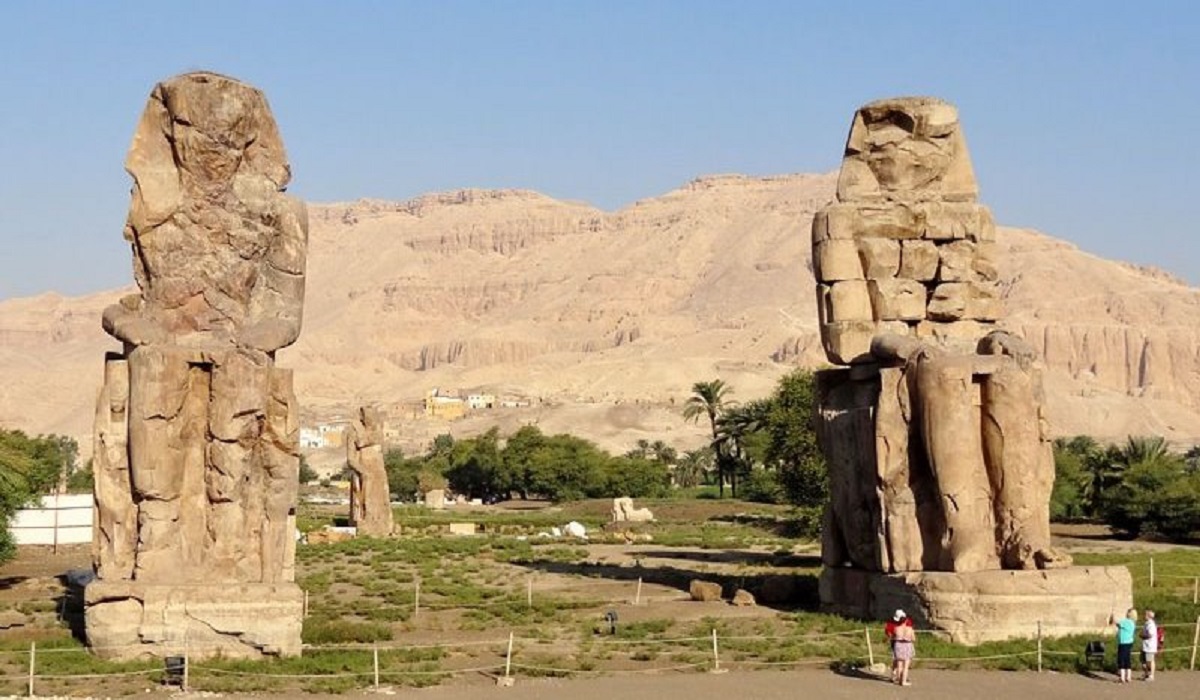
<point>823,684</point>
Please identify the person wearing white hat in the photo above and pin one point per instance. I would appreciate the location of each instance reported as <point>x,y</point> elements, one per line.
<point>900,637</point>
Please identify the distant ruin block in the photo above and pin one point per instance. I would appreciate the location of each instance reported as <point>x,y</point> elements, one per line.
<point>197,439</point>
<point>623,511</point>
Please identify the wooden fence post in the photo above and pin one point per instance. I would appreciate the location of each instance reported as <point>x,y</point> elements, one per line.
<point>32,664</point>
<point>1195,642</point>
<point>375,654</point>
<point>508,657</point>
<point>870,651</point>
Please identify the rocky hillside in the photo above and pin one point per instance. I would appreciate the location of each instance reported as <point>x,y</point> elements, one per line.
<point>603,321</point>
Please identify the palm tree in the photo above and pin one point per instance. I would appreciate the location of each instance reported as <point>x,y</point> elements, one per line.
<point>690,469</point>
<point>709,399</point>
<point>1145,449</point>
<point>663,452</point>
<point>733,428</point>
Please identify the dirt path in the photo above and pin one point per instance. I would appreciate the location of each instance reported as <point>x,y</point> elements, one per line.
<point>793,685</point>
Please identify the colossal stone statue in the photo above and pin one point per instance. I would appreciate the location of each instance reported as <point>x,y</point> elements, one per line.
<point>196,432</point>
<point>933,428</point>
<point>370,499</point>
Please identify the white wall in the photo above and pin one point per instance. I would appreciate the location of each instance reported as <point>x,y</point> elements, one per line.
<point>72,513</point>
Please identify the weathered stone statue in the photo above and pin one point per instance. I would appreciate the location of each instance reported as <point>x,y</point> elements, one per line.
<point>933,429</point>
<point>370,499</point>
<point>623,511</point>
<point>196,433</point>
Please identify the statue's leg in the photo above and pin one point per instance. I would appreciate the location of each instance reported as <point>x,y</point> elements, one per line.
<point>233,478</point>
<point>115,516</point>
<point>167,397</point>
<point>948,400</point>
<point>1020,465</point>
<point>281,472</point>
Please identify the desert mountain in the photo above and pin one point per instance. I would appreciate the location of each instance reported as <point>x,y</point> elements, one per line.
<point>603,321</point>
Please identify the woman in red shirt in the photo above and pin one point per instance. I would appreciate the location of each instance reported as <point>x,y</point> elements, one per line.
<point>902,645</point>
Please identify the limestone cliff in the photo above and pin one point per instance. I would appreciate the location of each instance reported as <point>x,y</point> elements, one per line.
<point>602,319</point>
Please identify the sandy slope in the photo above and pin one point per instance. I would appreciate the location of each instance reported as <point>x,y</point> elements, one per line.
<point>604,320</point>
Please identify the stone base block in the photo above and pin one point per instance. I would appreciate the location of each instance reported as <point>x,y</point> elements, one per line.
<point>131,620</point>
<point>985,606</point>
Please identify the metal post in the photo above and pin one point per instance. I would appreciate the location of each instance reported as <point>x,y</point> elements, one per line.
<point>1039,642</point>
<point>508,657</point>
<point>375,653</point>
<point>637,597</point>
<point>55,550</point>
<point>870,650</point>
<point>33,662</point>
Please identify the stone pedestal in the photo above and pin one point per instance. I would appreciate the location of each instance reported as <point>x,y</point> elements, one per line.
<point>131,620</point>
<point>985,606</point>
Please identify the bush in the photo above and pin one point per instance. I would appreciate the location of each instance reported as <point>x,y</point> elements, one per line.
<point>318,631</point>
<point>762,486</point>
<point>1157,497</point>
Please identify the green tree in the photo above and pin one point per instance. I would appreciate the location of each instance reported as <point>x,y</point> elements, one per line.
<point>635,477</point>
<point>741,440</point>
<point>29,467</point>
<point>710,399</point>
<point>475,465</point>
<point>307,473</point>
<point>1070,479</point>
<point>1156,492</point>
<point>692,467</point>
<point>792,448</point>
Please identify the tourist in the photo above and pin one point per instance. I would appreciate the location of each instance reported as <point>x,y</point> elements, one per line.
<point>904,648</point>
<point>900,657</point>
<point>1126,631</point>
<point>1149,646</point>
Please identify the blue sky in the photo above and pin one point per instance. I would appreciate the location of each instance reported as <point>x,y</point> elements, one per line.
<point>1082,117</point>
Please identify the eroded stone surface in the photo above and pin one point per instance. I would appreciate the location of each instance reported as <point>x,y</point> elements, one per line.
<point>985,606</point>
<point>623,511</point>
<point>937,450</point>
<point>196,432</point>
<point>370,502</point>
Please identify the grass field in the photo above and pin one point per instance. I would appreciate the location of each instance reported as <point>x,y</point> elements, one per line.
<point>425,607</point>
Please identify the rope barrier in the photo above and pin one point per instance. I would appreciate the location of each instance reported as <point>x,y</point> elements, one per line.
<point>61,676</point>
<point>570,671</point>
<point>348,674</point>
<point>682,642</point>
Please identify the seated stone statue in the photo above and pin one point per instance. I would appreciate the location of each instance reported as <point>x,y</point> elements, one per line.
<point>933,429</point>
<point>197,477</point>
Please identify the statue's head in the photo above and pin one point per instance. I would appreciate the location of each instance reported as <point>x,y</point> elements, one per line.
<point>906,148</point>
<point>905,251</point>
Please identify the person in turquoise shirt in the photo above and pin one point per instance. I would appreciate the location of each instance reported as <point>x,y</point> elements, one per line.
<point>1126,633</point>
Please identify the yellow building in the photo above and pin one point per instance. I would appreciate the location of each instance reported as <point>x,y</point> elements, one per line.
<point>438,405</point>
